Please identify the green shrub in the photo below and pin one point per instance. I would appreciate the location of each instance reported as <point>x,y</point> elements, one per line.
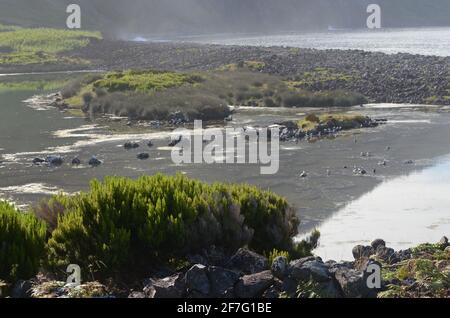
<point>22,243</point>
<point>276,253</point>
<point>122,223</point>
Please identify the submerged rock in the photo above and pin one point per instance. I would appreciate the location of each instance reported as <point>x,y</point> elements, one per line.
<point>37,161</point>
<point>94,162</point>
<point>55,160</point>
<point>143,156</point>
<point>76,162</point>
<point>131,145</point>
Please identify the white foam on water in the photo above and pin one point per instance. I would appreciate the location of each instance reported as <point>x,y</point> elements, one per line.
<point>32,188</point>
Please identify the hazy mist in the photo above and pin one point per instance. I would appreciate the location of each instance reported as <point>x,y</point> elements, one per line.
<point>187,17</point>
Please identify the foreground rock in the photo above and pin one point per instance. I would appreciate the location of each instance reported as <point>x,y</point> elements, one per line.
<point>422,271</point>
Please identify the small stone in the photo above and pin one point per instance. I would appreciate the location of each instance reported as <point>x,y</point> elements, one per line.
<point>136,294</point>
<point>169,287</point>
<point>360,251</point>
<point>444,241</point>
<point>377,242</point>
<point>303,174</point>
<point>76,162</point>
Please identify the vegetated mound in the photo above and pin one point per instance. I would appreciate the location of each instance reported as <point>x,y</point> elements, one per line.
<point>158,95</point>
<point>26,46</point>
<point>331,120</point>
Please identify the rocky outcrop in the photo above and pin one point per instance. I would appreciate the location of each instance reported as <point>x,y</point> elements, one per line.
<point>247,274</point>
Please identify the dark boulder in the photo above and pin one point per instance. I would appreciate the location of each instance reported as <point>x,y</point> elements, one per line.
<point>444,241</point>
<point>37,161</point>
<point>248,262</point>
<point>222,281</point>
<point>360,251</point>
<point>310,270</point>
<point>55,160</point>
<point>94,162</point>
<point>22,289</point>
<point>252,286</point>
<point>143,156</point>
<point>76,162</point>
<point>131,145</point>
<point>376,243</point>
<point>353,283</point>
<point>279,267</point>
<point>197,280</point>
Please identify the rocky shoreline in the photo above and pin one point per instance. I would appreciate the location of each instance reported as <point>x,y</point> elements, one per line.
<point>382,78</point>
<point>246,274</point>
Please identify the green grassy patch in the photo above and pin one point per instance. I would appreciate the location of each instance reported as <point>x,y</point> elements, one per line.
<point>144,81</point>
<point>346,121</point>
<point>32,85</point>
<point>319,75</point>
<point>22,46</point>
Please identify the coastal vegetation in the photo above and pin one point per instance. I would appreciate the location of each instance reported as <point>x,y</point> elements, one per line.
<point>142,224</point>
<point>23,240</point>
<point>428,269</point>
<point>155,95</point>
<point>24,46</point>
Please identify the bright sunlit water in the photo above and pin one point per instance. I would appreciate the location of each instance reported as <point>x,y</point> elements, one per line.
<point>425,41</point>
<point>406,211</point>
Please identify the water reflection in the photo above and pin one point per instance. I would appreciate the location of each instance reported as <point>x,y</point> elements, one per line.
<point>405,212</point>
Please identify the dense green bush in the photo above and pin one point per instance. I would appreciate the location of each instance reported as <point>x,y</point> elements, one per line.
<point>122,223</point>
<point>22,243</point>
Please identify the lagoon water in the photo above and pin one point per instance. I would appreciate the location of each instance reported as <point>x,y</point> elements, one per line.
<point>404,204</point>
<point>424,41</point>
<point>405,211</point>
